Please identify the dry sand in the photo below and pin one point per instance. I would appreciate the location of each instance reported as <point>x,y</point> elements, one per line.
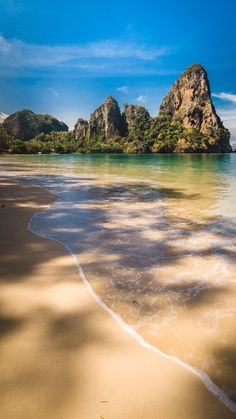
<point>62,356</point>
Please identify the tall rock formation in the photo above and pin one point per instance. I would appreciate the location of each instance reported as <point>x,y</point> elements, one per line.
<point>25,124</point>
<point>106,122</point>
<point>81,129</point>
<point>189,101</point>
<point>137,120</point>
<point>187,122</point>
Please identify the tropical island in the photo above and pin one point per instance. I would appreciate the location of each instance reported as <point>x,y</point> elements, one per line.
<point>187,123</point>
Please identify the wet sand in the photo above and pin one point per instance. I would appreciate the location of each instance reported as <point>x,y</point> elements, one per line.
<point>62,356</point>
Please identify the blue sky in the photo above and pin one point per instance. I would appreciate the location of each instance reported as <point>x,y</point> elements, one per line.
<point>65,57</point>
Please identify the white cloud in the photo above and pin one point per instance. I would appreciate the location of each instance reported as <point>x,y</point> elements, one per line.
<point>17,54</point>
<point>141,99</point>
<point>225,96</point>
<point>123,89</point>
<point>4,45</point>
<point>2,116</point>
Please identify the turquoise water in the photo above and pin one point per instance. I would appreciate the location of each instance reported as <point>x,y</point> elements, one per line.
<point>156,238</point>
<point>210,178</point>
<point>206,174</point>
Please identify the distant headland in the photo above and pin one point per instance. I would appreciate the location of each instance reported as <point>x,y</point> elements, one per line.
<point>187,123</point>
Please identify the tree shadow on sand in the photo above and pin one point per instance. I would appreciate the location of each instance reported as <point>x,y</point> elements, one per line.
<point>123,246</point>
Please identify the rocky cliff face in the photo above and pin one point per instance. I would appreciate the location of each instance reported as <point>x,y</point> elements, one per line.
<point>187,122</point>
<point>106,122</point>
<point>189,101</point>
<point>25,124</point>
<point>137,120</point>
<point>81,129</point>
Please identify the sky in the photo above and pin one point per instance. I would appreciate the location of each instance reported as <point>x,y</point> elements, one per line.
<point>65,57</point>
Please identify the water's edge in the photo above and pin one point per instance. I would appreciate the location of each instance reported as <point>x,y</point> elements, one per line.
<point>208,383</point>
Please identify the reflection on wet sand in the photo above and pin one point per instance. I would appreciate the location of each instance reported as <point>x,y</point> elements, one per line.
<point>158,250</point>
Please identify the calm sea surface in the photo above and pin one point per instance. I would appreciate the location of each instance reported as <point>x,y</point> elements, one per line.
<point>156,238</point>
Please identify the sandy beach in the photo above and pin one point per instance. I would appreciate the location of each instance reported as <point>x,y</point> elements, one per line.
<point>62,355</point>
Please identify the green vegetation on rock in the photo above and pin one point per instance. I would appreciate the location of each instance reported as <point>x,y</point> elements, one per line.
<point>25,124</point>
<point>187,123</point>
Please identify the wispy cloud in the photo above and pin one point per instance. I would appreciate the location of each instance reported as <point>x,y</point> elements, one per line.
<point>16,53</point>
<point>53,92</point>
<point>225,96</point>
<point>5,46</point>
<point>123,89</point>
<point>141,99</point>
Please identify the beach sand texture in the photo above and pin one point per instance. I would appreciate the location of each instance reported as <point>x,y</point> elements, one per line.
<point>62,355</point>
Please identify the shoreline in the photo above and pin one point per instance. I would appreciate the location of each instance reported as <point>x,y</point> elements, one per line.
<point>163,383</point>
<point>206,380</point>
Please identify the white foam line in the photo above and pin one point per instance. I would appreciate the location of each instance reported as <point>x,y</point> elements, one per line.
<point>212,387</point>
